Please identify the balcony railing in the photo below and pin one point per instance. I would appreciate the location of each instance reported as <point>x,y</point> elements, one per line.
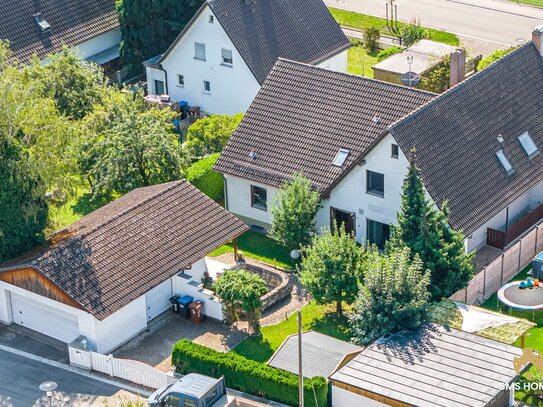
<point>500,239</point>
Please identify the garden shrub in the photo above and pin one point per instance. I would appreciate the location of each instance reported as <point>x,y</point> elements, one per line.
<point>201,175</point>
<point>412,33</point>
<point>385,53</point>
<point>493,57</point>
<point>248,375</point>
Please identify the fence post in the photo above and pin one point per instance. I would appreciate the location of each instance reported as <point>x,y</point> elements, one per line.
<point>110,364</point>
<point>535,245</point>
<point>519,252</point>
<point>501,277</point>
<point>484,284</point>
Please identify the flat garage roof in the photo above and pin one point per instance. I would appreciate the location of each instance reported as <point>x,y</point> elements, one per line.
<point>320,354</point>
<point>433,366</point>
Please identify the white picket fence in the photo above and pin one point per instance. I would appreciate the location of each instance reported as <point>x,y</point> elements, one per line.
<point>131,370</point>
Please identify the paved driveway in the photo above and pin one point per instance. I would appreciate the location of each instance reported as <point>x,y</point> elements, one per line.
<point>155,347</point>
<point>20,378</point>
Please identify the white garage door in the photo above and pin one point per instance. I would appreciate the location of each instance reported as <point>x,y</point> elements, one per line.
<point>44,319</point>
<point>157,300</point>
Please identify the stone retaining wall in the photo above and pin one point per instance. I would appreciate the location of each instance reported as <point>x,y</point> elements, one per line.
<point>279,279</point>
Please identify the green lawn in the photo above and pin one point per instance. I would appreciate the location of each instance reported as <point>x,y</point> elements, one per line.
<point>260,247</point>
<point>360,61</point>
<point>321,318</point>
<point>537,3</point>
<point>74,209</point>
<point>360,21</point>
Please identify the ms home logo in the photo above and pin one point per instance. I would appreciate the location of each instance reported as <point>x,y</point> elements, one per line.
<point>528,356</point>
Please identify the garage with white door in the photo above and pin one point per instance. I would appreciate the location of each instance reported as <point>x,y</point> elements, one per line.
<point>42,318</point>
<point>157,299</point>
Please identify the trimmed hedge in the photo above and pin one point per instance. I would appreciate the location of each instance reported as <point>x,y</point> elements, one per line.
<point>201,175</point>
<point>248,375</point>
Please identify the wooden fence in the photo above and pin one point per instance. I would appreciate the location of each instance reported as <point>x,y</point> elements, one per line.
<point>512,260</point>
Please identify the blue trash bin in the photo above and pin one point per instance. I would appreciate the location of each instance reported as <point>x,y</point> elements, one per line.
<point>184,309</point>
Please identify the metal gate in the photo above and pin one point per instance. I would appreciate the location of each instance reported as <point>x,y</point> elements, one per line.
<point>131,370</point>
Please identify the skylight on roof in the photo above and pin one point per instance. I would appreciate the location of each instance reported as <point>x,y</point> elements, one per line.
<point>504,161</point>
<point>340,158</point>
<point>44,26</point>
<point>528,145</point>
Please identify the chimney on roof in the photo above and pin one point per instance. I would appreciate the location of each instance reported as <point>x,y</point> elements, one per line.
<point>458,66</point>
<point>537,38</point>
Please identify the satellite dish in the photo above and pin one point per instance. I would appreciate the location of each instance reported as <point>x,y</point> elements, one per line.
<point>410,78</point>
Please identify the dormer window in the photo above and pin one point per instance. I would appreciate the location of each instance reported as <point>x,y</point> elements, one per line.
<point>504,161</point>
<point>528,145</point>
<point>340,157</point>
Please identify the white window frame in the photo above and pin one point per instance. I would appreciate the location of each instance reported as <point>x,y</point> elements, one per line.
<point>180,80</point>
<point>204,82</point>
<point>227,61</point>
<point>202,47</point>
<point>211,19</point>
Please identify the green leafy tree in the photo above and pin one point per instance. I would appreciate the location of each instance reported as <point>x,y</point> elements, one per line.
<point>76,85</point>
<point>371,38</point>
<point>130,145</point>
<point>394,296</point>
<point>293,213</point>
<point>332,268</point>
<point>23,208</point>
<point>426,232</point>
<point>210,134</point>
<point>240,290</point>
<point>148,28</point>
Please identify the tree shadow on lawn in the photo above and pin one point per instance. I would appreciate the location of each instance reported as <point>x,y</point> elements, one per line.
<point>332,325</point>
<point>86,204</point>
<point>255,348</point>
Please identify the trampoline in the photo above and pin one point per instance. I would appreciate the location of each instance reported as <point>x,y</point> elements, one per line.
<point>523,299</point>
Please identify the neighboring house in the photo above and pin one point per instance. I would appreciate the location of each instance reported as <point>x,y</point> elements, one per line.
<point>43,27</point>
<point>107,275</point>
<point>478,147</point>
<point>432,366</point>
<point>222,57</point>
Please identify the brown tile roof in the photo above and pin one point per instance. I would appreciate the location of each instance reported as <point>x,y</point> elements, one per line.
<point>264,30</point>
<point>456,138</point>
<point>303,115</point>
<point>72,22</point>
<point>117,253</point>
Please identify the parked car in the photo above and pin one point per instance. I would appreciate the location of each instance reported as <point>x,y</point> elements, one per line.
<point>193,390</point>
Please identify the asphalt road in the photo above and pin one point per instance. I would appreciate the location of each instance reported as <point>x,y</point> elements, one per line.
<point>20,378</point>
<point>482,25</point>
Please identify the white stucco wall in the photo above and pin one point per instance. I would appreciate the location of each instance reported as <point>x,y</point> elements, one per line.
<point>182,286</point>
<point>337,63</point>
<point>233,88</point>
<point>99,44</point>
<point>104,335</point>
<point>345,398</point>
<point>350,194</point>
<point>239,199</point>
<point>153,74</point>
<point>531,200</point>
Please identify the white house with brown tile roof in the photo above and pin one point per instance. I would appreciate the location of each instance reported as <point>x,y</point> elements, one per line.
<point>110,273</point>
<point>477,147</point>
<point>220,60</point>
<point>43,28</point>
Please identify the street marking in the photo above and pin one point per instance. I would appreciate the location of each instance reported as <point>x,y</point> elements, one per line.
<point>75,370</point>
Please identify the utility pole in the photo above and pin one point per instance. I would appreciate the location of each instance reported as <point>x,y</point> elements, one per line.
<point>300,375</point>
